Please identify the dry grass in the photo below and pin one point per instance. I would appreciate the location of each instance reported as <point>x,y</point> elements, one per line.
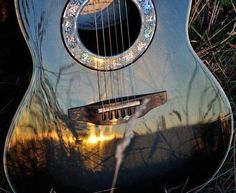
<point>212,31</point>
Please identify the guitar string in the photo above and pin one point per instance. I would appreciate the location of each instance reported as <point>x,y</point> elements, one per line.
<point>127,22</point>
<point>117,72</point>
<point>114,18</point>
<point>105,54</point>
<point>109,30</point>
<point>131,72</point>
<point>111,53</point>
<point>121,26</point>
<point>121,77</point>
<point>123,49</point>
<point>98,51</point>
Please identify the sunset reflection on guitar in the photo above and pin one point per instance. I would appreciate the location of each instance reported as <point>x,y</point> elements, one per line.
<point>92,71</point>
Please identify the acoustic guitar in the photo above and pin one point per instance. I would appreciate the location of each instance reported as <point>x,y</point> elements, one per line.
<point>118,101</point>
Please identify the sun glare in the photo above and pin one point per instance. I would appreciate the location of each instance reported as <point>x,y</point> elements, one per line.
<point>93,139</point>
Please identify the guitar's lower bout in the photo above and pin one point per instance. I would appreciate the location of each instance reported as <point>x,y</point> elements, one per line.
<point>63,139</point>
<point>86,163</point>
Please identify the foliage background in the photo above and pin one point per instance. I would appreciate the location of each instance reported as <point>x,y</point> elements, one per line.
<point>212,30</point>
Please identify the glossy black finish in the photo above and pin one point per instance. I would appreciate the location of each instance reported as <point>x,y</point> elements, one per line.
<point>187,135</point>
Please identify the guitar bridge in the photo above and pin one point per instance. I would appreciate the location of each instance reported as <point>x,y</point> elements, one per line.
<point>116,111</point>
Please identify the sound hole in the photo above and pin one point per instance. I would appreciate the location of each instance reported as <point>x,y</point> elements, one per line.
<point>109,27</point>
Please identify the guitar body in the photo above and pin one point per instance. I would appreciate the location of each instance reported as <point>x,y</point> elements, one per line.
<point>65,133</point>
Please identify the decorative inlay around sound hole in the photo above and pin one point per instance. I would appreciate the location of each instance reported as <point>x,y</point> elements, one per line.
<point>108,34</point>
